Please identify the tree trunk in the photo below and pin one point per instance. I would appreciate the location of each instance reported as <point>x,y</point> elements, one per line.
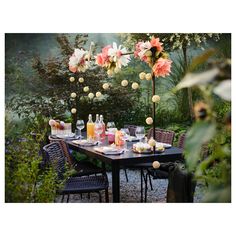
<point>189,91</point>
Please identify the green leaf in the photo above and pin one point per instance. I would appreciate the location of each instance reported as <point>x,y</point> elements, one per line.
<point>200,133</point>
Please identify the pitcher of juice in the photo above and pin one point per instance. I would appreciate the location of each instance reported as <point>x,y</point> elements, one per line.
<point>90,128</point>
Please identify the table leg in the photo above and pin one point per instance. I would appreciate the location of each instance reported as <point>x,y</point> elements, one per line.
<point>141,184</point>
<point>115,182</point>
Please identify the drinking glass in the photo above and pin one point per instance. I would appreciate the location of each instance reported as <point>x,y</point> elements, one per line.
<point>125,138</point>
<point>140,132</point>
<point>111,124</point>
<point>80,126</point>
<point>98,128</point>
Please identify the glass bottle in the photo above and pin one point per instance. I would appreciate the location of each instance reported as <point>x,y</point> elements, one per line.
<point>103,134</point>
<point>90,128</point>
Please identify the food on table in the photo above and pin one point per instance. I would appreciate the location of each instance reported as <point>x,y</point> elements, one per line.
<point>142,147</point>
<point>160,148</point>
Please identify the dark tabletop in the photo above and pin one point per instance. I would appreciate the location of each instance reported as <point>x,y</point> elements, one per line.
<point>169,155</point>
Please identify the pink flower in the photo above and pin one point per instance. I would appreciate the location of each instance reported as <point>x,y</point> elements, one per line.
<point>103,57</point>
<point>99,59</point>
<point>155,42</point>
<point>73,69</point>
<point>137,49</point>
<point>162,67</point>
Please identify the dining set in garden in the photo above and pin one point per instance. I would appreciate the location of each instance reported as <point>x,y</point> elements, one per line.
<point>131,147</point>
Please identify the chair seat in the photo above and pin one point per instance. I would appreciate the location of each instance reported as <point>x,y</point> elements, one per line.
<point>87,168</point>
<point>85,184</point>
<point>158,174</point>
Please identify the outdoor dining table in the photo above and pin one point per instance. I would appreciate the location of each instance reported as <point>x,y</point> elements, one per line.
<point>126,159</point>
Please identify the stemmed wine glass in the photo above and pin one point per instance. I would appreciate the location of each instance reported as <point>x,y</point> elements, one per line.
<point>140,133</point>
<point>125,137</point>
<point>110,125</point>
<point>80,126</point>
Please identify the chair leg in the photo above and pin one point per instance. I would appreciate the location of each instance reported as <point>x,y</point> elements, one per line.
<point>88,195</point>
<point>150,181</point>
<point>81,196</point>
<point>146,187</point>
<point>126,176</point>
<point>62,199</point>
<point>142,184</point>
<point>68,198</point>
<point>100,197</point>
<point>106,195</point>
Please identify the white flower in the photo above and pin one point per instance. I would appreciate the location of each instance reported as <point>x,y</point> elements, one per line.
<point>105,86</point>
<point>124,83</point>
<point>81,80</point>
<point>77,60</point>
<point>135,86</point>
<point>142,75</point>
<point>91,95</point>
<point>116,54</point>
<point>73,95</point>
<point>148,76</point>
<point>72,79</point>
<point>73,110</point>
<point>156,98</point>
<point>98,94</point>
<point>223,90</point>
<point>149,120</point>
<point>86,89</point>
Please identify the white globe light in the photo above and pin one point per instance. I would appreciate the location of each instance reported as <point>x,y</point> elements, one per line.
<point>73,95</point>
<point>81,80</point>
<point>142,75</point>
<point>135,86</point>
<point>156,98</point>
<point>72,79</point>
<point>124,83</point>
<point>91,95</point>
<point>148,76</point>
<point>86,89</point>
<point>73,110</point>
<point>156,164</point>
<point>105,86</point>
<point>98,94</point>
<point>149,120</point>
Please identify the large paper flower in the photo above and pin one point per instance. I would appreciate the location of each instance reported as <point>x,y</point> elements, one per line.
<point>112,58</point>
<point>162,67</point>
<point>78,61</point>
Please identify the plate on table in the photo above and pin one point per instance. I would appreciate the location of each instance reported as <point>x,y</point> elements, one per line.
<point>66,136</point>
<point>85,142</point>
<point>109,150</point>
<point>132,139</point>
<point>142,152</point>
<point>165,145</point>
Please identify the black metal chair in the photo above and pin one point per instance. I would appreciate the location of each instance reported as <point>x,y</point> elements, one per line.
<point>164,136</point>
<point>161,173</point>
<point>83,167</point>
<point>74,184</point>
